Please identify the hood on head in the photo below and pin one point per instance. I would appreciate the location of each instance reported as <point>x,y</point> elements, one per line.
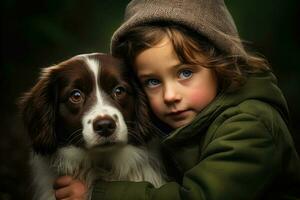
<point>209,18</point>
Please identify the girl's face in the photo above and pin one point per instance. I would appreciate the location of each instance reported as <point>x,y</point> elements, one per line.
<point>176,92</point>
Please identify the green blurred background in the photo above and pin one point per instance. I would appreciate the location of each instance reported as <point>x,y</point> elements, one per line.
<point>37,34</point>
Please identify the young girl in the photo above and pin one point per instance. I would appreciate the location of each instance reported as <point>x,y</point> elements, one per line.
<point>224,117</point>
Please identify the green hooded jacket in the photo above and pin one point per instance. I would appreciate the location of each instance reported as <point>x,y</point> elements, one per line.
<point>238,148</point>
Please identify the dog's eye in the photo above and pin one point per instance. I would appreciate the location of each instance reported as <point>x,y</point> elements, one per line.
<point>76,96</point>
<point>119,91</point>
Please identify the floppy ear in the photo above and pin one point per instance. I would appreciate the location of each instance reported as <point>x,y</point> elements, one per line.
<point>38,108</point>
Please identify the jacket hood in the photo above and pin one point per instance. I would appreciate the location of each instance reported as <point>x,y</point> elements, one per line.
<point>262,87</point>
<point>209,18</point>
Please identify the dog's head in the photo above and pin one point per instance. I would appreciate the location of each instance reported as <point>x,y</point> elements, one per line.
<point>85,101</point>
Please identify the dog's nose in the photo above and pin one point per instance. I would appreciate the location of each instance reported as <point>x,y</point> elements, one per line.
<point>104,126</point>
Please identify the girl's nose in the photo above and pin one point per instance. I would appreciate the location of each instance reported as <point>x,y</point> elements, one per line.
<point>171,95</point>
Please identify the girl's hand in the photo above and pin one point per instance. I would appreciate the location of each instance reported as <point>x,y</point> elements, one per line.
<point>68,188</point>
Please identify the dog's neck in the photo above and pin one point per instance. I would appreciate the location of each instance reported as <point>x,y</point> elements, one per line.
<point>131,163</point>
<point>72,161</point>
<point>127,162</point>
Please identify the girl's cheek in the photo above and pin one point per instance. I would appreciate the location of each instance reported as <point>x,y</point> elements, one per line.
<point>195,94</point>
<point>200,99</point>
<point>155,104</point>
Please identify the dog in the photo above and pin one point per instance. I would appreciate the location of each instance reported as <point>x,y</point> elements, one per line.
<point>86,119</point>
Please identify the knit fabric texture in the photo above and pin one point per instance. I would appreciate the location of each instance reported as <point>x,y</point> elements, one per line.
<point>210,18</point>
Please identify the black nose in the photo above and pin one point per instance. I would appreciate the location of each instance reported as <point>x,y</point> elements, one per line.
<point>104,126</point>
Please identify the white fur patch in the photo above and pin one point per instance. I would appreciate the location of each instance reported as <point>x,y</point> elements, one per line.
<point>135,164</point>
<point>101,108</point>
<point>69,159</point>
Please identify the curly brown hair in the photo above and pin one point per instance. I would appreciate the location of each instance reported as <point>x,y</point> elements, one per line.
<point>193,49</point>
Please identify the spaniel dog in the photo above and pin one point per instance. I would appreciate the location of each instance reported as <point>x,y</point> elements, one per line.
<point>86,119</point>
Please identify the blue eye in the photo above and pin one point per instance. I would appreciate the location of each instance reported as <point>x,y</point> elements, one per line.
<point>151,83</point>
<point>185,74</point>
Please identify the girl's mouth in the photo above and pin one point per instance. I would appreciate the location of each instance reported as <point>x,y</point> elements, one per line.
<point>178,114</point>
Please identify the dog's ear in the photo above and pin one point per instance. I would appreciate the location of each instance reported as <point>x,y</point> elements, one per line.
<point>38,108</point>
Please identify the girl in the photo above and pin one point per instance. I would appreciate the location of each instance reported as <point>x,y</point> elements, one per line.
<point>223,115</point>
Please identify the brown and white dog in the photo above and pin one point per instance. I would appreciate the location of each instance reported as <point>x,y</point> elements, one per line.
<point>86,120</point>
